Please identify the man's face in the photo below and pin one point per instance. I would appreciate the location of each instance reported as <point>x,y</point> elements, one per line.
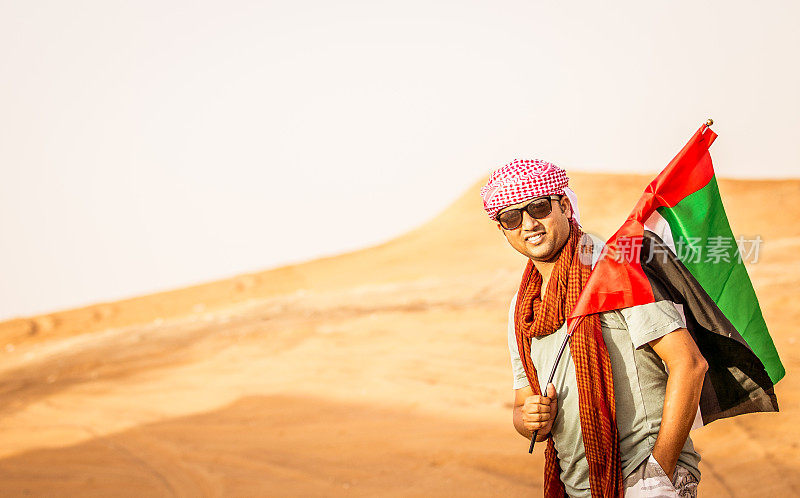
<point>540,240</point>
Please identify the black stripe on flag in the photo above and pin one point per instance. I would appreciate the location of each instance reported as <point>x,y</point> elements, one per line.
<point>736,381</point>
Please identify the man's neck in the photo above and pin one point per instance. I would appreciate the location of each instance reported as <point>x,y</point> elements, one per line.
<point>545,269</point>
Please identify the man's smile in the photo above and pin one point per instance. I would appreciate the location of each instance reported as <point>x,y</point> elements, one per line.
<point>534,238</point>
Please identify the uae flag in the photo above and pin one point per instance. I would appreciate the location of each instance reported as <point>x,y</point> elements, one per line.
<point>677,245</point>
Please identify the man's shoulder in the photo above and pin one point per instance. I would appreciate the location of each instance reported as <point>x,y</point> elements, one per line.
<point>597,247</point>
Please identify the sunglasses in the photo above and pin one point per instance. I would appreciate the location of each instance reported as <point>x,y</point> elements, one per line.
<point>538,208</point>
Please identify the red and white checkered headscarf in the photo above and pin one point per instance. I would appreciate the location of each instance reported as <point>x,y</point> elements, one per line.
<point>524,179</point>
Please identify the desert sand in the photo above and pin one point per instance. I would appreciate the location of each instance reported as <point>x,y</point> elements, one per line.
<point>379,372</point>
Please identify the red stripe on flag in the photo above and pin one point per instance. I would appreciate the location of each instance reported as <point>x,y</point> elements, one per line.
<point>688,172</point>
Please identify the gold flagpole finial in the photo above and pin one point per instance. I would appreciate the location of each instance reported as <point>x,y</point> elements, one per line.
<point>709,122</point>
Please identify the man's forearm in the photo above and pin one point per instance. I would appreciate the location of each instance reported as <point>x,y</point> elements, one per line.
<point>684,384</point>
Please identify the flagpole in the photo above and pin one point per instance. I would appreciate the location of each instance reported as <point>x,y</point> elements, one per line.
<point>553,371</point>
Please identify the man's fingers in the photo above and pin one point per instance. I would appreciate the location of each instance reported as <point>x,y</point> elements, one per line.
<point>536,417</point>
<point>538,411</point>
<point>536,399</point>
<point>533,425</point>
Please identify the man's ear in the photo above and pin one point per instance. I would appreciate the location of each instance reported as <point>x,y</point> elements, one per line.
<point>566,207</point>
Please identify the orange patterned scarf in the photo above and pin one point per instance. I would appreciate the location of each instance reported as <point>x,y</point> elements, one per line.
<point>536,317</point>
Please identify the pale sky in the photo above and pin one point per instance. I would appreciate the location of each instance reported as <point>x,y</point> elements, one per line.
<point>148,145</point>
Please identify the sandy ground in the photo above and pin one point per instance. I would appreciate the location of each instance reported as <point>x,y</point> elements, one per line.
<point>379,372</point>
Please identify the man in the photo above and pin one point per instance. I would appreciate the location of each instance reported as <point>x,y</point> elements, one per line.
<point>626,391</point>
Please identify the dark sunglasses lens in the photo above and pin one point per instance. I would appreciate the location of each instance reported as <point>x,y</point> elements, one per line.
<point>539,208</point>
<point>510,219</point>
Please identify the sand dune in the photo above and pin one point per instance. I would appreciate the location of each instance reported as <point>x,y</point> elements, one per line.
<point>378,372</point>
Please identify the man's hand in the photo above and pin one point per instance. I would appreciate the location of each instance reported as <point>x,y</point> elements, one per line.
<point>533,412</point>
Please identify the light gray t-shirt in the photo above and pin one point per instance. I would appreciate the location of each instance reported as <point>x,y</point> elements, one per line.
<point>640,381</point>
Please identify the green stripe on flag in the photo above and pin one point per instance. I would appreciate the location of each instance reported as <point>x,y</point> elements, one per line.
<point>705,244</point>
